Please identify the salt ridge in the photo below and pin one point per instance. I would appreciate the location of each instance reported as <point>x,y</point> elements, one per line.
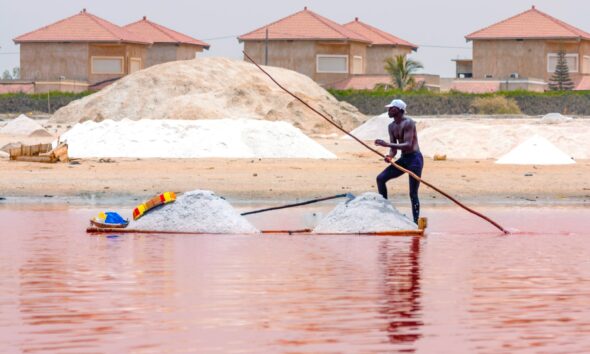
<point>230,138</point>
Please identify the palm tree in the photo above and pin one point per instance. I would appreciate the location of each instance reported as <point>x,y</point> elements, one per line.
<point>401,69</point>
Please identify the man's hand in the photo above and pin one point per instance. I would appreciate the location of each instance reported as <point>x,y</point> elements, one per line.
<point>380,142</point>
<point>387,159</point>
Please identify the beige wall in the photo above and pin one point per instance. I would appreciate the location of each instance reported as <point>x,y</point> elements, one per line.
<point>160,53</point>
<point>62,85</point>
<point>294,55</point>
<point>126,51</point>
<point>376,56</point>
<point>464,67</point>
<point>528,58</point>
<point>300,56</point>
<point>50,61</point>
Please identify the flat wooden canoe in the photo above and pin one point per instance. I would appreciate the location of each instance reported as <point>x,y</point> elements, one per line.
<point>422,224</point>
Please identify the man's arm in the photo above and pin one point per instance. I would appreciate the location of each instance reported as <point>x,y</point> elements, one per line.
<point>409,132</point>
<point>392,150</point>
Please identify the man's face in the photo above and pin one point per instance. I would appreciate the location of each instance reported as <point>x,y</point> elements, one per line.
<point>392,112</point>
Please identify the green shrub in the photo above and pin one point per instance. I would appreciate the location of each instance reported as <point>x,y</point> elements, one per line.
<point>495,105</point>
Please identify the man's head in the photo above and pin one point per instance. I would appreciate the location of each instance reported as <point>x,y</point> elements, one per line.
<point>396,108</point>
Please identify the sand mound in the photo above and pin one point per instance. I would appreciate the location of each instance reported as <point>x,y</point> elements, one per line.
<point>536,151</point>
<point>235,138</point>
<point>4,154</point>
<point>369,212</point>
<point>212,88</point>
<point>196,211</point>
<point>554,118</point>
<point>24,126</point>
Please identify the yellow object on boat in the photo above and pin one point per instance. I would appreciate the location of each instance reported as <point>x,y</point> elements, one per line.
<point>142,209</point>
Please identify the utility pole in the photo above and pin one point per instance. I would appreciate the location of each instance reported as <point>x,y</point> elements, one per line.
<point>266,47</point>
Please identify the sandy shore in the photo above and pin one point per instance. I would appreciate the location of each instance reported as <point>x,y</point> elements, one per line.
<point>126,180</point>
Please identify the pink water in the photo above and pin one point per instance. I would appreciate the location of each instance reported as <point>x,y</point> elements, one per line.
<point>461,289</point>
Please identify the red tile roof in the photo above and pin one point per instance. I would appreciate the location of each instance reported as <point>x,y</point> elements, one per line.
<point>377,36</point>
<point>160,34</point>
<point>530,24</point>
<point>82,27</point>
<point>304,25</point>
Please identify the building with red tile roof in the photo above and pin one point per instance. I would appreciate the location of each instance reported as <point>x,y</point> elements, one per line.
<point>525,46</point>
<point>83,49</point>
<point>168,45</point>
<point>383,45</point>
<point>310,44</point>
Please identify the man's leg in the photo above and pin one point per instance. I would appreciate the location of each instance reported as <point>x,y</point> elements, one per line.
<point>416,167</point>
<point>387,174</point>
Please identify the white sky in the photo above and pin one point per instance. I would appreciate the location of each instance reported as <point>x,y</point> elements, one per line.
<point>431,24</point>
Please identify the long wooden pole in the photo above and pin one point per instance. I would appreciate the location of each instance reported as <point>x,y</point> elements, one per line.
<point>416,177</point>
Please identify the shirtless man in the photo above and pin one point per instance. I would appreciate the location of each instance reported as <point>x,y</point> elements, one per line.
<point>402,134</point>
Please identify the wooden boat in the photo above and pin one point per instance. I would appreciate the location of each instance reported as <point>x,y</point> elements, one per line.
<point>100,224</point>
<point>422,224</point>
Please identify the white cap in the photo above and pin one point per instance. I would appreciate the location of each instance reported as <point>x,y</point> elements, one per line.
<point>397,103</point>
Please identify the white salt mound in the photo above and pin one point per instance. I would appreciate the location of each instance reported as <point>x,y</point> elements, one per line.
<point>374,128</point>
<point>554,118</point>
<point>4,154</point>
<point>369,212</point>
<point>196,211</point>
<point>234,138</point>
<point>536,151</point>
<point>24,126</point>
<point>212,88</point>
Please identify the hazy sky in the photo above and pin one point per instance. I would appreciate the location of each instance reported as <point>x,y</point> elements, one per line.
<point>437,27</point>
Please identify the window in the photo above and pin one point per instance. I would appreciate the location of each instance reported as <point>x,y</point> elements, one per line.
<point>107,65</point>
<point>134,65</point>
<point>571,60</point>
<point>586,67</point>
<point>357,64</point>
<point>332,64</point>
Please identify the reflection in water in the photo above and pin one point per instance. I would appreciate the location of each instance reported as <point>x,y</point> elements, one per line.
<point>401,282</point>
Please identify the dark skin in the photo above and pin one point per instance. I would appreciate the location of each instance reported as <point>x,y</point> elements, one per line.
<point>402,134</point>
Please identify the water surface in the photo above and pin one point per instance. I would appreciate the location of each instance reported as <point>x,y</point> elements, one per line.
<point>463,288</point>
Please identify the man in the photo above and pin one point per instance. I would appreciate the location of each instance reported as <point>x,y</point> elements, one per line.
<point>402,134</point>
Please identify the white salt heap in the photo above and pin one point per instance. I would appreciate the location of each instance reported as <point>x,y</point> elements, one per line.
<point>474,137</point>
<point>536,151</point>
<point>196,211</point>
<point>374,128</point>
<point>233,138</point>
<point>24,126</point>
<point>554,118</point>
<point>369,212</point>
<point>212,88</point>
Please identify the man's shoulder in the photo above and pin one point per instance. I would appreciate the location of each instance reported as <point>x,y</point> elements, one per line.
<point>408,121</point>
